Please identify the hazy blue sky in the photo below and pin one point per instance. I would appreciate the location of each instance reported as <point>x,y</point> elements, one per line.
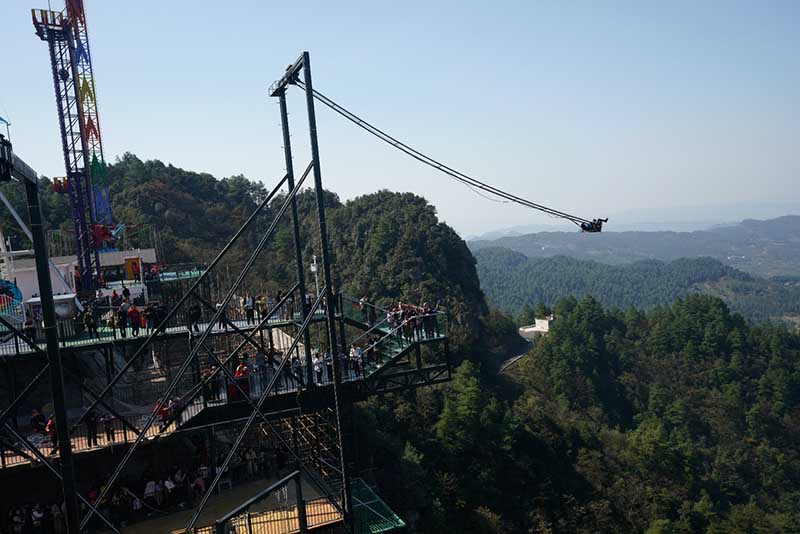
<point>591,107</point>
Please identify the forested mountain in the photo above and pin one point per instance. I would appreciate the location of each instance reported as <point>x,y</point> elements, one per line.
<point>511,281</point>
<point>681,419</point>
<point>389,246</point>
<point>764,248</point>
<point>685,419</point>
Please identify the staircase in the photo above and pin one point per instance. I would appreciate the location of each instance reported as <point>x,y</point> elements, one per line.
<point>387,343</point>
<point>12,311</point>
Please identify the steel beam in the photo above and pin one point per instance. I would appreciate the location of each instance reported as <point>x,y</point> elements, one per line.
<point>301,278</point>
<point>326,271</point>
<point>289,76</point>
<point>53,356</point>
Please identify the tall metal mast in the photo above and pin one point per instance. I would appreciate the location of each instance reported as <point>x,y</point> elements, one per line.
<point>88,102</point>
<point>76,99</point>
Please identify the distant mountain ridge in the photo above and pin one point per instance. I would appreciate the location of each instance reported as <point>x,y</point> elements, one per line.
<point>511,281</point>
<point>761,247</point>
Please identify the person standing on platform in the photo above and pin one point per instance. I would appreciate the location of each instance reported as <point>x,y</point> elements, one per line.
<point>193,315</point>
<point>221,384</point>
<point>427,320</point>
<point>290,311</point>
<point>38,421</point>
<point>223,317</point>
<point>91,428</point>
<point>29,329</point>
<point>297,367</point>
<point>249,309</point>
<point>210,387</point>
<point>108,427</point>
<point>241,375</point>
<point>149,315</point>
<point>318,367</point>
<point>261,306</point>
<point>122,318</point>
<point>90,323</point>
<point>51,431</point>
<point>135,319</point>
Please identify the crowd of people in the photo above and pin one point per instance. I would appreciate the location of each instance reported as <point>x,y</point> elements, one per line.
<point>251,375</point>
<point>155,492</point>
<point>127,316</point>
<point>416,322</point>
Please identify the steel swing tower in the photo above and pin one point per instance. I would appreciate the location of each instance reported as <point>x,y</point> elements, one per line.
<point>308,418</point>
<point>76,99</point>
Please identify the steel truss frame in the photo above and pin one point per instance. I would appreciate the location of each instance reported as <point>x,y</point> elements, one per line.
<point>279,90</point>
<point>209,327</point>
<point>56,29</point>
<point>340,410</point>
<point>98,398</point>
<point>307,316</point>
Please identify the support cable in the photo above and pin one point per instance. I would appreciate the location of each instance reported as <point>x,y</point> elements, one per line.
<point>469,181</point>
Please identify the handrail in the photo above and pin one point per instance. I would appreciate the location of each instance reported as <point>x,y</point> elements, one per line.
<point>403,325</point>
<point>260,495</point>
<point>369,331</point>
<point>358,301</point>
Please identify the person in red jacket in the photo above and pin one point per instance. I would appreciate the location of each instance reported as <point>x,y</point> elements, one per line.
<point>51,430</point>
<point>135,319</point>
<point>241,375</point>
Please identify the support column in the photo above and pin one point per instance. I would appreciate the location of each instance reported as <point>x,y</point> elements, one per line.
<point>326,271</point>
<point>108,352</point>
<point>301,279</point>
<point>53,357</point>
<point>302,521</point>
<point>212,452</point>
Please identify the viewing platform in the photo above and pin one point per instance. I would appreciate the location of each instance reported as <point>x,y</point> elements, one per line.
<point>386,363</point>
<point>72,338</point>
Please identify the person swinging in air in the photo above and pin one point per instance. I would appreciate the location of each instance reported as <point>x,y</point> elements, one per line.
<point>595,226</point>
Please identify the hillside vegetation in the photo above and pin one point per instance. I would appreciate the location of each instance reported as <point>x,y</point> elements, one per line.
<point>389,246</point>
<point>684,419</point>
<point>681,419</point>
<point>512,281</point>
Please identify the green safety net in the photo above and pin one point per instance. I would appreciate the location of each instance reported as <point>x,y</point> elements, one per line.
<point>370,514</point>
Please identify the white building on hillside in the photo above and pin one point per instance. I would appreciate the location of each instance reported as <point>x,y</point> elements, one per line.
<point>540,327</point>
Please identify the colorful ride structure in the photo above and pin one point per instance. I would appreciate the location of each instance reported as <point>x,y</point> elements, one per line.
<point>86,182</point>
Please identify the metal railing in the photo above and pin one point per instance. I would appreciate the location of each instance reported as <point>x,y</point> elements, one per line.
<point>74,331</point>
<point>295,516</point>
